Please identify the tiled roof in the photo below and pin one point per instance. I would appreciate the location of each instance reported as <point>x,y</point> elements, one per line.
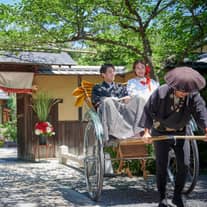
<point>203,60</point>
<point>38,58</point>
<point>200,64</point>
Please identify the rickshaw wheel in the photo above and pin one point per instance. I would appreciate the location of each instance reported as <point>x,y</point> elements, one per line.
<point>94,161</point>
<point>193,168</point>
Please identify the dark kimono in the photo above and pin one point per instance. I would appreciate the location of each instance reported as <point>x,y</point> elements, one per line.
<point>165,114</point>
<point>119,119</point>
<point>164,117</point>
<point>105,90</point>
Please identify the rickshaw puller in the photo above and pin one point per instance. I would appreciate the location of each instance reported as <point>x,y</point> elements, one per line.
<point>167,112</point>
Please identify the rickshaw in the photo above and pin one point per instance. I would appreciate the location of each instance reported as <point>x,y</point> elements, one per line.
<point>129,149</point>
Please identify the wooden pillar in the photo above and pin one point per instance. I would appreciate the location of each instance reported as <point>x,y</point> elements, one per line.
<point>24,126</point>
<point>80,110</point>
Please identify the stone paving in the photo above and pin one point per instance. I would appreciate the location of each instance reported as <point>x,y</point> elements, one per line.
<point>49,184</point>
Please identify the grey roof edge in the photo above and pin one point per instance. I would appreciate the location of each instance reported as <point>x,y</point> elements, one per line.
<point>36,58</point>
<point>78,70</point>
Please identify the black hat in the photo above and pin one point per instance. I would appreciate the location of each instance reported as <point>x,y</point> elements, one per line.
<point>185,79</point>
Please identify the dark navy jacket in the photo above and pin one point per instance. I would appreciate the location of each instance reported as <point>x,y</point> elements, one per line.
<point>158,109</point>
<point>105,90</point>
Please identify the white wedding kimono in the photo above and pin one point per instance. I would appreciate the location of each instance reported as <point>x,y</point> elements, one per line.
<point>137,87</point>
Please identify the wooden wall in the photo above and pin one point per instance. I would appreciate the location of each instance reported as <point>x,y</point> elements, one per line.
<point>68,133</point>
<point>71,134</point>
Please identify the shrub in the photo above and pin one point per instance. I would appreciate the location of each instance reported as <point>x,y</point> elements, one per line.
<point>1,143</point>
<point>9,130</point>
<point>134,165</point>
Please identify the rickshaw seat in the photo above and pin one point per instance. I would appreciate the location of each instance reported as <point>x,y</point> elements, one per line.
<point>127,148</point>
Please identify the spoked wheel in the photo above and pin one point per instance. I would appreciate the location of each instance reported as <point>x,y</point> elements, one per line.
<point>94,161</point>
<point>193,168</point>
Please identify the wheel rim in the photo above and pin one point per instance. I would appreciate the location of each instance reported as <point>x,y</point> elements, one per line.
<point>193,169</point>
<point>93,162</point>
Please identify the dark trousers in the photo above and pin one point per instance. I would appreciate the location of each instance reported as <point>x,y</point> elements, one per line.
<point>161,150</point>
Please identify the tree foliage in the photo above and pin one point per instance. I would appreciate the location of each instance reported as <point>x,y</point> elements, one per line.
<point>120,30</point>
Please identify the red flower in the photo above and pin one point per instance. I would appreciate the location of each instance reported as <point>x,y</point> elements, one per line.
<point>44,128</point>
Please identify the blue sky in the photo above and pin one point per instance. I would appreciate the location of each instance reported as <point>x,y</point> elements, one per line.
<point>9,1</point>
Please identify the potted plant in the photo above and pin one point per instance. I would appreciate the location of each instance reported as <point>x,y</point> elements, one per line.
<point>42,104</point>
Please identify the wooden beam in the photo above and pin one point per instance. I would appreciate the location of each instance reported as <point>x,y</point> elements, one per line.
<point>17,67</point>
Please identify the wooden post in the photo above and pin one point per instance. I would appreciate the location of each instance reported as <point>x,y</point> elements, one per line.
<point>80,110</point>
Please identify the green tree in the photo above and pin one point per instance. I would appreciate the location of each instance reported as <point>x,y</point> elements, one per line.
<point>181,31</point>
<point>135,28</point>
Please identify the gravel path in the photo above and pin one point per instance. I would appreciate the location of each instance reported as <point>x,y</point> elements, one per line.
<point>48,184</point>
